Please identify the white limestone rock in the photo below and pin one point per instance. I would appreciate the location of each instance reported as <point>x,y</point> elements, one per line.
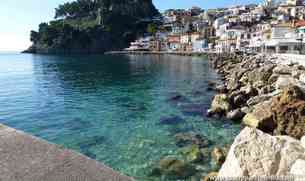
<point>298,168</point>
<point>285,81</point>
<point>283,69</point>
<point>303,141</point>
<point>255,153</point>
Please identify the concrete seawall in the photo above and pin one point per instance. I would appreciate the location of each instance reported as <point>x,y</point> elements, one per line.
<point>27,158</point>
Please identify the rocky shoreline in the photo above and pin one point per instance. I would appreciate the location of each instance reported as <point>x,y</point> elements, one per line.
<point>268,97</point>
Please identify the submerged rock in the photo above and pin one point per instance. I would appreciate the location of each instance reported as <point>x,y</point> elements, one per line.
<point>173,168</point>
<point>255,153</point>
<point>91,142</point>
<point>192,109</point>
<point>192,154</point>
<point>177,98</point>
<point>77,124</point>
<point>191,138</point>
<point>211,84</point>
<point>171,120</point>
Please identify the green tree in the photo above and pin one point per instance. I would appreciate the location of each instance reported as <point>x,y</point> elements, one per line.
<point>34,37</point>
<point>152,28</point>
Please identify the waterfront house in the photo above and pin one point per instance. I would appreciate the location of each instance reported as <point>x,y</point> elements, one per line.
<point>173,42</point>
<point>292,8</point>
<point>187,40</point>
<point>200,45</point>
<point>233,39</point>
<point>259,33</point>
<point>218,22</point>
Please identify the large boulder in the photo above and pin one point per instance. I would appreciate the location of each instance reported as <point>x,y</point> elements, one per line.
<point>302,78</point>
<point>283,69</point>
<point>220,104</point>
<point>259,74</point>
<point>282,115</point>
<point>289,113</point>
<point>235,115</point>
<point>285,81</point>
<point>255,153</point>
<point>261,117</point>
<point>303,141</point>
<point>298,168</point>
<point>258,99</point>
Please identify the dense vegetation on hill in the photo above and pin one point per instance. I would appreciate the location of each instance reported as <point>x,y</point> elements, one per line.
<point>93,26</point>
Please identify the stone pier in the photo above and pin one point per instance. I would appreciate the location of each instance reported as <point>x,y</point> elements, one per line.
<point>27,158</point>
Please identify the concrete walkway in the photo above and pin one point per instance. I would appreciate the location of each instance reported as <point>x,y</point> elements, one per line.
<point>27,158</point>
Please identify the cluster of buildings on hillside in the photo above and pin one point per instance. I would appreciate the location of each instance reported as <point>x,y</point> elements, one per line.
<point>274,27</point>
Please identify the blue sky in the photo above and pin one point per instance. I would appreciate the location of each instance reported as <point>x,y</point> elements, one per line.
<point>18,17</point>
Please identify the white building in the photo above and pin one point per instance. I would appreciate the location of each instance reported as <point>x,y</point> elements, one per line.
<point>284,39</point>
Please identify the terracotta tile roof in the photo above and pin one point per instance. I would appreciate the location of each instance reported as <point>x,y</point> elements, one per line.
<point>299,23</point>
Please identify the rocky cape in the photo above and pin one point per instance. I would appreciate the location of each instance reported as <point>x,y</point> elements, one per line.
<point>268,97</point>
<point>83,26</point>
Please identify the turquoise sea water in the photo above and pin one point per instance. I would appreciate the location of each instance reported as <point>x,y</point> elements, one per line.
<point>109,107</point>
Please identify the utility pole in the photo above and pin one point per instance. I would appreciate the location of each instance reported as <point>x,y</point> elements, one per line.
<point>302,43</point>
<point>301,46</point>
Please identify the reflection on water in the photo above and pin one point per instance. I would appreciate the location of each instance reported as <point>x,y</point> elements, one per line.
<point>114,109</point>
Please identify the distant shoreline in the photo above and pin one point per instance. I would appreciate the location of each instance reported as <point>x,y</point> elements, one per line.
<point>182,53</point>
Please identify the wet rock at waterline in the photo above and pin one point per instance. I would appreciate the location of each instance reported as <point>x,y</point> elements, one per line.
<point>210,177</point>
<point>221,89</point>
<point>220,104</point>
<point>261,117</point>
<point>219,155</point>
<point>211,86</point>
<point>235,115</point>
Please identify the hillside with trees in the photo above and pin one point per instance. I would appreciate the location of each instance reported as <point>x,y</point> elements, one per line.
<point>93,26</point>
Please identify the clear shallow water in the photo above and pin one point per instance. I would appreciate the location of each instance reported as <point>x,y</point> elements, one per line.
<point>109,107</point>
